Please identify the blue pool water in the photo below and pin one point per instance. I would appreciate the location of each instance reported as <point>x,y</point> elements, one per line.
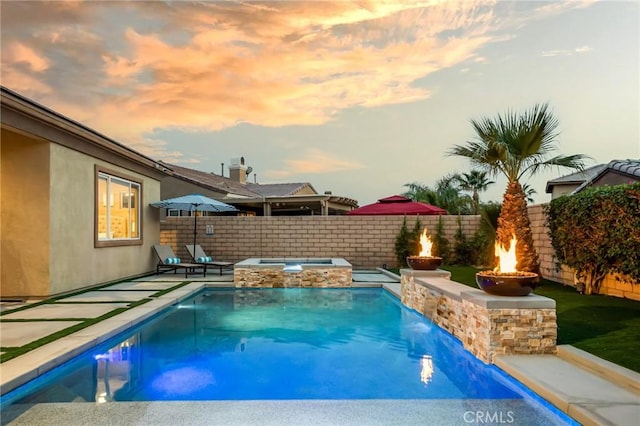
<point>277,344</point>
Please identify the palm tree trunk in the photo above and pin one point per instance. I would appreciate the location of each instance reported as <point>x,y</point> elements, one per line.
<point>476,202</point>
<point>514,220</point>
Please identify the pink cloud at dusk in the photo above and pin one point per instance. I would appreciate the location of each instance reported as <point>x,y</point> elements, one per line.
<point>207,66</point>
<point>344,92</point>
<point>314,161</point>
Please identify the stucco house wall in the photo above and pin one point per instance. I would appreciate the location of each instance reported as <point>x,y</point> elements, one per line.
<point>25,240</point>
<point>72,231</point>
<point>48,170</point>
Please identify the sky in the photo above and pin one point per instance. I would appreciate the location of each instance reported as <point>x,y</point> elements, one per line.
<point>358,98</point>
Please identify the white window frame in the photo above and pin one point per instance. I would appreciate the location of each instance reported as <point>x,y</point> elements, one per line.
<point>104,239</point>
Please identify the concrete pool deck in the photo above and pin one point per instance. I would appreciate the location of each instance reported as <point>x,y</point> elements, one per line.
<point>589,389</point>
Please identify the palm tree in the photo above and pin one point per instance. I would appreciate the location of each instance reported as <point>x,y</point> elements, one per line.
<point>517,146</point>
<point>529,192</point>
<point>419,192</point>
<point>445,195</point>
<point>474,181</point>
<point>449,197</point>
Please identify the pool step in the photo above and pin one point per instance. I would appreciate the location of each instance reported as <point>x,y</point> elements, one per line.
<point>582,394</point>
<point>608,370</point>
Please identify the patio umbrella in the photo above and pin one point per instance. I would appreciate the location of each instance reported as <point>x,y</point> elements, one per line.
<point>398,205</point>
<point>194,203</point>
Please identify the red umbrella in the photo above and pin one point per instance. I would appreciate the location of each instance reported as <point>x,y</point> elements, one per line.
<point>396,205</point>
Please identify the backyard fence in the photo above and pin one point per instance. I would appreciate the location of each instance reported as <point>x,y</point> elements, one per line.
<point>364,241</point>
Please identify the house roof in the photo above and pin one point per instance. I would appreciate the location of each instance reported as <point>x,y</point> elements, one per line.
<point>234,188</point>
<point>279,189</point>
<point>255,194</point>
<point>629,168</point>
<point>576,178</point>
<point>15,107</point>
<point>211,181</point>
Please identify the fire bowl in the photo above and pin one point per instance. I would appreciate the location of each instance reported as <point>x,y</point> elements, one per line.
<point>424,263</point>
<point>507,283</point>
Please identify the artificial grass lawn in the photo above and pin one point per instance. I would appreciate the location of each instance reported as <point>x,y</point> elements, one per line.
<point>15,352</point>
<point>605,326</point>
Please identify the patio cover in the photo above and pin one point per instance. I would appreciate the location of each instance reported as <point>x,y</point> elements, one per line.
<point>397,205</point>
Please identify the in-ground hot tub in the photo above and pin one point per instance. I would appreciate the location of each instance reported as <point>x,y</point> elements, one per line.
<point>274,272</point>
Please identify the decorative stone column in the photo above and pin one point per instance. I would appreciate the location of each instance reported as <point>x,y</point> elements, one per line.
<point>486,325</point>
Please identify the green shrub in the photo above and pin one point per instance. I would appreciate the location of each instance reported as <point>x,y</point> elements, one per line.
<point>482,246</point>
<point>597,232</point>
<point>462,249</point>
<point>407,243</point>
<point>441,244</point>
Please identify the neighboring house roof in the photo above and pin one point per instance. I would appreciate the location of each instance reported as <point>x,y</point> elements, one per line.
<point>234,188</point>
<point>279,189</point>
<point>576,178</point>
<point>211,181</point>
<point>630,168</point>
<point>279,196</point>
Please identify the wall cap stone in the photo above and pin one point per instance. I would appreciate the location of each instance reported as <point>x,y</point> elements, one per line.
<point>444,286</point>
<point>489,301</point>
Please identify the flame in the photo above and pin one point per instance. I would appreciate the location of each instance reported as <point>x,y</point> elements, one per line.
<point>425,244</point>
<point>508,261</point>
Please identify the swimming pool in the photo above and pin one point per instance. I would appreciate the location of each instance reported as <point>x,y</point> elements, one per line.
<point>282,344</point>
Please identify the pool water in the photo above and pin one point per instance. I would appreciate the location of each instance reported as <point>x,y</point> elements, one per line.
<point>266,344</point>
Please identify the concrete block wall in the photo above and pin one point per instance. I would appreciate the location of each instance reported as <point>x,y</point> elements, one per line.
<point>364,241</point>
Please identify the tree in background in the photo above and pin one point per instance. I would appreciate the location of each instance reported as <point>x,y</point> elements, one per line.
<point>445,194</point>
<point>475,181</point>
<point>517,146</point>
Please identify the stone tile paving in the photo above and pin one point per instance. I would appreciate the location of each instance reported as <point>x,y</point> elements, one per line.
<point>13,334</point>
<point>62,310</point>
<point>7,306</point>
<point>109,296</point>
<point>141,285</point>
<point>211,277</point>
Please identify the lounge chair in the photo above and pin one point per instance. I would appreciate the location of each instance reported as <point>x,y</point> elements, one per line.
<point>168,261</point>
<point>200,257</point>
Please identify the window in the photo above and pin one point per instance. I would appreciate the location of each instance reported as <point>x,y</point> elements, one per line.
<point>117,209</point>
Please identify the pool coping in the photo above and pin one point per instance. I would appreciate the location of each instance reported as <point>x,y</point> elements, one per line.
<point>32,364</point>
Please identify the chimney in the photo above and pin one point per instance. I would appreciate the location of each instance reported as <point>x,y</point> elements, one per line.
<point>237,170</point>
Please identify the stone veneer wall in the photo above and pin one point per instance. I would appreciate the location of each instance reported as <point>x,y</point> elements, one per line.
<point>277,278</point>
<point>611,286</point>
<point>486,325</point>
<point>364,241</point>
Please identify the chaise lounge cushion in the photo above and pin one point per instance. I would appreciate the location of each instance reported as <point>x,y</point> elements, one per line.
<point>199,255</point>
<point>168,261</point>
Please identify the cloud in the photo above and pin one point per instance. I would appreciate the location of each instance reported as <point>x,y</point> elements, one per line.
<point>129,69</point>
<point>314,161</point>
<point>577,50</point>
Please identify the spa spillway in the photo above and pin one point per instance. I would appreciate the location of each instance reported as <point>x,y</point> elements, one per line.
<point>293,272</point>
